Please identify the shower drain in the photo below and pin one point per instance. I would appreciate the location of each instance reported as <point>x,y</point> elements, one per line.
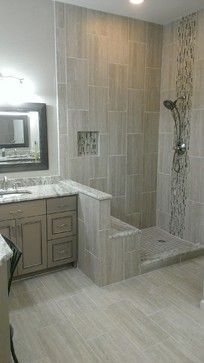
<point>162,241</point>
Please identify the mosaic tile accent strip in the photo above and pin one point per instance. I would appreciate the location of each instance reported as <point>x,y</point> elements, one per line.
<point>186,32</point>
<point>88,143</point>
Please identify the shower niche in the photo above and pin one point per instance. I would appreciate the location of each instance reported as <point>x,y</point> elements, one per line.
<point>88,143</point>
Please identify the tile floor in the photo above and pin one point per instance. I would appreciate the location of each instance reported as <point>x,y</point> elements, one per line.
<point>64,318</point>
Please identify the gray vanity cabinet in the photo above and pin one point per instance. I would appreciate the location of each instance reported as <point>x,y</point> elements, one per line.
<point>8,229</point>
<point>45,230</point>
<point>32,240</point>
<point>62,230</point>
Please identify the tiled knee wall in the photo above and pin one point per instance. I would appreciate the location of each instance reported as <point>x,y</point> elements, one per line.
<point>104,258</point>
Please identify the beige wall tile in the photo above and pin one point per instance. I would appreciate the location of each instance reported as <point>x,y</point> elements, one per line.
<point>197,133</point>
<point>154,45</point>
<point>98,60</point>
<point>151,132</point>
<point>134,186</point>
<point>98,22</point>
<point>98,165</point>
<point>98,98</point>
<point>198,96</point>
<point>79,170</point>
<point>150,172</point>
<point>137,30</point>
<point>63,149</point>
<point>135,110</point>
<point>117,166</point>
<point>61,55</point>
<point>152,89</point>
<point>165,153</point>
<point>99,184</point>
<point>200,44</point>
<point>163,192</point>
<point>117,87</point>
<point>166,123</point>
<point>194,230</point>
<point>134,219</point>
<point>168,70</point>
<point>62,108</point>
<point>132,264</point>
<point>136,65</point>
<point>149,209</point>
<point>117,133</point>
<point>134,154</point>
<point>76,25</point>
<point>118,40</point>
<point>162,219</point>
<point>118,207</point>
<point>60,14</point>
<point>132,243</point>
<point>77,121</point>
<point>196,180</point>
<point>77,83</point>
<point>170,33</point>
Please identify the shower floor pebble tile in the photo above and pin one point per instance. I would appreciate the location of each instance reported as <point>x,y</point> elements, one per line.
<point>152,318</point>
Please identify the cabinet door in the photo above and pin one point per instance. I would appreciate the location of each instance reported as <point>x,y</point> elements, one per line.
<point>61,225</point>
<point>61,251</point>
<point>8,229</point>
<point>32,239</point>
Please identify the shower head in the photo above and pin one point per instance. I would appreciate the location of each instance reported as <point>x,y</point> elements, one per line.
<point>170,105</point>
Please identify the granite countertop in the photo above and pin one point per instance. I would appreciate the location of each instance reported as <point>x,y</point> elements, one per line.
<point>59,189</point>
<point>5,251</point>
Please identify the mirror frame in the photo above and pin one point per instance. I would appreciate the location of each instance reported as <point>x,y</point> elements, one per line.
<point>43,142</point>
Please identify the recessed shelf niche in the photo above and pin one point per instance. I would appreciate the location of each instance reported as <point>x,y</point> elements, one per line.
<point>88,143</point>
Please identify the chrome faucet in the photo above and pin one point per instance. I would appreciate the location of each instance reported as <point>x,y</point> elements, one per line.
<point>5,183</point>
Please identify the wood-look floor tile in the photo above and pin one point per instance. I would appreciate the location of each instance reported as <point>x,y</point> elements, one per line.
<point>142,331</point>
<point>166,352</point>
<point>63,343</point>
<point>115,347</point>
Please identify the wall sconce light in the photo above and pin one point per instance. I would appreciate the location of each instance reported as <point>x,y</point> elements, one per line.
<point>2,77</point>
<point>15,90</point>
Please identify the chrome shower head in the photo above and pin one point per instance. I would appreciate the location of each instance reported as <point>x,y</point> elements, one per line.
<point>170,105</point>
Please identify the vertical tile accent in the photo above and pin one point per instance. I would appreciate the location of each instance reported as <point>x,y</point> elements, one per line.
<point>186,31</point>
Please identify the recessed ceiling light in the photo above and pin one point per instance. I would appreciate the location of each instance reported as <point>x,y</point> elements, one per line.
<point>136,2</point>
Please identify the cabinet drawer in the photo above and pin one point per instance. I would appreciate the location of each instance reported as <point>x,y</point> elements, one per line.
<point>21,210</point>
<point>61,224</point>
<point>61,204</point>
<point>61,251</point>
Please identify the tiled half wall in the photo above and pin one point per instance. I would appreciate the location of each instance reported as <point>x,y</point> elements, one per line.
<point>108,71</point>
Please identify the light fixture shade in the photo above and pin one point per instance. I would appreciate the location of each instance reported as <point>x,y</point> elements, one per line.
<point>136,2</point>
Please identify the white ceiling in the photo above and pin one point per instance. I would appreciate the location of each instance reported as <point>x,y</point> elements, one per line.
<point>157,11</point>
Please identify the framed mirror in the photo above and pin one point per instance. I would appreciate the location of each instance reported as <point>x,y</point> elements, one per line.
<point>23,138</point>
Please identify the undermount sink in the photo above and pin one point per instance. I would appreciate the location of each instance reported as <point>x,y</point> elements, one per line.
<point>13,192</point>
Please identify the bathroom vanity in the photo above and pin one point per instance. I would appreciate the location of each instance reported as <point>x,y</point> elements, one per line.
<point>45,229</point>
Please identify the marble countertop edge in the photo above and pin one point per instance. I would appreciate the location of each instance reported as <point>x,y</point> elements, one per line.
<point>5,251</point>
